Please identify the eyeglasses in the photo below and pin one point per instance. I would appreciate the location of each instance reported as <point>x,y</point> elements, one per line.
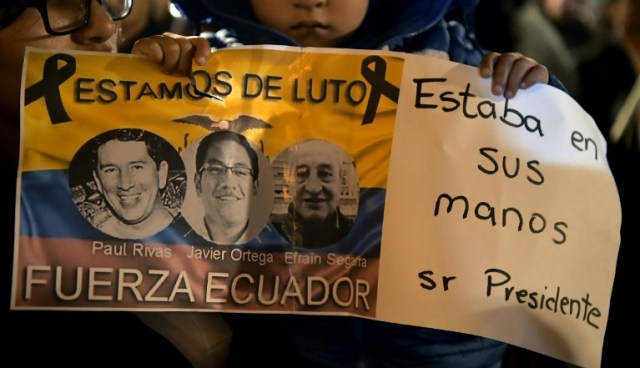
<point>62,17</point>
<point>219,170</point>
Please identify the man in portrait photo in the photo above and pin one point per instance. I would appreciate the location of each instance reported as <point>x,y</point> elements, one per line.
<point>315,176</point>
<point>130,173</point>
<point>226,183</point>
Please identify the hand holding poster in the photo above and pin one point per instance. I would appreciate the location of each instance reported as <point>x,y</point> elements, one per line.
<point>387,186</point>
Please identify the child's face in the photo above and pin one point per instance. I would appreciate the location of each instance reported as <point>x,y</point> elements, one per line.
<point>313,23</point>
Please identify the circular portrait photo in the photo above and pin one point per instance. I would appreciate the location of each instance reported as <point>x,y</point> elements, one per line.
<point>128,183</point>
<point>229,194</point>
<point>316,193</point>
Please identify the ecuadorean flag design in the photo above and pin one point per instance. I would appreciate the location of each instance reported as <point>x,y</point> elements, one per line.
<point>119,209</point>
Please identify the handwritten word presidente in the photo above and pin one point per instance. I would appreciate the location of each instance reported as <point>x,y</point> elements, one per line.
<point>163,286</point>
<point>61,67</point>
<point>497,279</point>
<point>580,308</point>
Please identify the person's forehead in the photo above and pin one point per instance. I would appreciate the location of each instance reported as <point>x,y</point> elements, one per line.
<point>317,155</point>
<point>225,151</point>
<point>132,150</point>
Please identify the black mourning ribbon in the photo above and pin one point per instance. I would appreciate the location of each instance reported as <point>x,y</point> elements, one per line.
<point>374,69</point>
<point>52,77</point>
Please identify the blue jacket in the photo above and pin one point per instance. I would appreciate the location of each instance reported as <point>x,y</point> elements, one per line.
<point>399,25</point>
<point>396,25</point>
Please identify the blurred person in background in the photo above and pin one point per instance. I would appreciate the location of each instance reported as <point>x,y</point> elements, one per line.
<point>611,94</point>
<point>556,33</point>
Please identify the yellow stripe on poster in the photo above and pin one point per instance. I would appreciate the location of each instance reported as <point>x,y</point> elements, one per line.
<point>274,97</point>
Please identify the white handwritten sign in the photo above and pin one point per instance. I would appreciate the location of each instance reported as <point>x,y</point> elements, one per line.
<point>442,205</point>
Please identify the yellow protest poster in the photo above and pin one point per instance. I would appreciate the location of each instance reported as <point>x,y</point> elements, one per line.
<point>379,185</point>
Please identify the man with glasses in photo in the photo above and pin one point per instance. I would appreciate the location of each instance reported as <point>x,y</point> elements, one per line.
<point>226,182</point>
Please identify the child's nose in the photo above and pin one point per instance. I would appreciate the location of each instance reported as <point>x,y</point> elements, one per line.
<point>309,4</point>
